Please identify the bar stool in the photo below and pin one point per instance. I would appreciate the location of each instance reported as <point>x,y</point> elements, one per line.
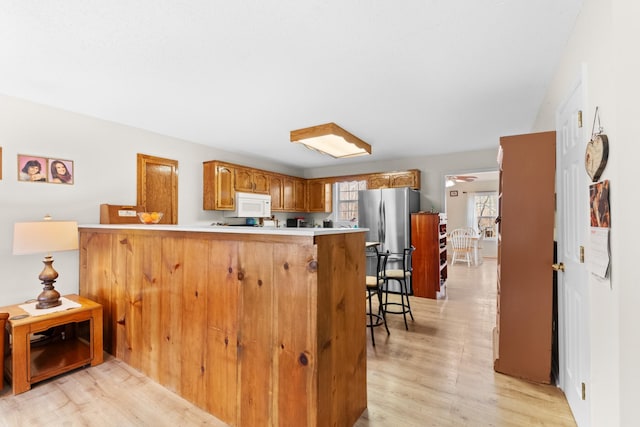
<point>403,277</point>
<point>374,286</point>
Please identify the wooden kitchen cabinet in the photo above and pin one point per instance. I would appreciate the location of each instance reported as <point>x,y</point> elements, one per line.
<point>318,195</point>
<point>378,180</point>
<point>523,332</point>
<point>222,180</point>
<point>276,189</point>
<point>299,195</point>
<point>288,193</point>
<point>218,186</point>
<point>295,194</point>
<point>260,183</point>
<point>410,178</point>
<point>251,180</point>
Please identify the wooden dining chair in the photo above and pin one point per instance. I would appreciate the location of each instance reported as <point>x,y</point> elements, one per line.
<point>462,246</point>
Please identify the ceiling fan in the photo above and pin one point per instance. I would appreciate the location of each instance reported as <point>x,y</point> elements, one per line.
<point>452,179</point>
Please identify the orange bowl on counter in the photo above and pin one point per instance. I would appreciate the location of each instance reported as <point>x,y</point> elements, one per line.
<point>150,217</point>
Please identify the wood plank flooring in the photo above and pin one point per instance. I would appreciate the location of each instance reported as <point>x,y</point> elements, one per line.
<point>439,373</point>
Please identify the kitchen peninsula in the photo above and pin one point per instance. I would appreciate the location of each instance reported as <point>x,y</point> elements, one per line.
<point>257,326</point>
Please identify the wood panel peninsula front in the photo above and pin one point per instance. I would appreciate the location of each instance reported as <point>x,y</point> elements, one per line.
<point>257,326</point>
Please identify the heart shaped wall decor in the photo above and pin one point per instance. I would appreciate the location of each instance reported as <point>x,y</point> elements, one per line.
<point>596,156</point>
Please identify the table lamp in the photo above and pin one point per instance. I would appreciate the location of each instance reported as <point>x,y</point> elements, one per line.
<point>45,237</point>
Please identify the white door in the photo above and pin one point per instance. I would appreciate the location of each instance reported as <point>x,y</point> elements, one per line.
<point>572,229</point>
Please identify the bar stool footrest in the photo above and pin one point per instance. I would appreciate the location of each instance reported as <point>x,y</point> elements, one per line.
<point>404,308</point>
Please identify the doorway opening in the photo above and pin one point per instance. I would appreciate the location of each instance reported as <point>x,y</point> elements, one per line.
<point>471,201</point>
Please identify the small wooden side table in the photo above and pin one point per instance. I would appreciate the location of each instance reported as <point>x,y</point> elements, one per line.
<point>69,339</point>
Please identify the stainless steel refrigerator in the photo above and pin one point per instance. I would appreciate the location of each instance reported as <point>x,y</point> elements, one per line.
<point>387,214</point>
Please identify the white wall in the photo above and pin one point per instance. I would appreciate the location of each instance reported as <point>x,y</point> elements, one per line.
<point>626,201</point>
<point>604,42</point>
<point>104,156</point>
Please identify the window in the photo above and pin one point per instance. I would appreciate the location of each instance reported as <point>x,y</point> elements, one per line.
<point>346,202</point>
<point>484,210</point>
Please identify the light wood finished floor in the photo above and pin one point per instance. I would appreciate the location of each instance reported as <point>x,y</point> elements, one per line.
<point>439,373</point>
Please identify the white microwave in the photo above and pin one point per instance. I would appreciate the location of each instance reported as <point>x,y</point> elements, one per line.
<point>250,205</point>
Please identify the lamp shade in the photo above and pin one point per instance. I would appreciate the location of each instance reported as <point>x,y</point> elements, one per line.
<point>44,237</point>
<point>331,139</point>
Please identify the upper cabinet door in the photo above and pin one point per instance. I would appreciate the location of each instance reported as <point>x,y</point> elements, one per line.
<point>378,180</point>
<point>244,180</point>
<point>318,196</point>
<point>260,182</point>
<point>295,194</point>
<point>225,195</point>
<point>406,179</point>
<point>276,189</point>
<point>299,195</point>
<point>218,186</point>
<point>251,181</point>
<point>410,178</point>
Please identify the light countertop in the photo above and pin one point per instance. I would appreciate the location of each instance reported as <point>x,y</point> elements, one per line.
<point>228,229</point>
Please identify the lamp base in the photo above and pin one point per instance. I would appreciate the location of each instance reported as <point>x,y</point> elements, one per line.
<point>49,297</point>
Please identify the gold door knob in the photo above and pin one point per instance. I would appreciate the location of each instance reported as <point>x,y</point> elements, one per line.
<point>558,267</point>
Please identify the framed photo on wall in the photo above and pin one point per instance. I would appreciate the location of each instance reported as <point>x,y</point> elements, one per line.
<point>60,171</point>
<point>32,168</point>
<point>453,193</point>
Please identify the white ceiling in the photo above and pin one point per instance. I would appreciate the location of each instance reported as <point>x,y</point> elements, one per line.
<point>410,77</point>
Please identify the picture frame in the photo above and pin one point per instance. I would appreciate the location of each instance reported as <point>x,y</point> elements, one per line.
<point>453,193</point>
<point>60,171</point>
<point>32,168</point>
<point>45,169</point>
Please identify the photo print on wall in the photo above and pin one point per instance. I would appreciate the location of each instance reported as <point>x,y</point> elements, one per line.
<point>43,169</point>
<point>32,168</point>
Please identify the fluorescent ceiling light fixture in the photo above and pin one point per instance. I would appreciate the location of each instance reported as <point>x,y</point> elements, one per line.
<point>331,139</point>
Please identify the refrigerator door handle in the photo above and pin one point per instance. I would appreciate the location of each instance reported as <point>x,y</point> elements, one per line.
<point>379,230</point>
<point>383,223</point>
